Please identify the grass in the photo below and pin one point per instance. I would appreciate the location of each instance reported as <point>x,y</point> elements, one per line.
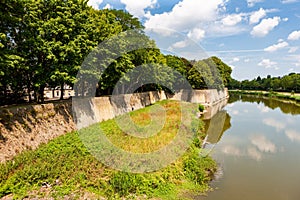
<point>69,170</point>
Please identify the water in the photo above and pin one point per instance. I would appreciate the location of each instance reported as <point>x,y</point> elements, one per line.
<point>257,147</point>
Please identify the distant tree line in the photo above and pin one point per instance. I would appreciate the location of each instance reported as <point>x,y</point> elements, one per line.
<point>287,83</point>
<point>43,44</point>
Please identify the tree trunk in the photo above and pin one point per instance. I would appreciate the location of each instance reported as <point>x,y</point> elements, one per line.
<point>35,96</point>
<point>41,94</point>
<point>29,94</point>
<point>62,91</point>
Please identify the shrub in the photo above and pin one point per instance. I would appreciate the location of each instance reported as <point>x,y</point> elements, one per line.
<point>201,107</point>
<point>292,92</point>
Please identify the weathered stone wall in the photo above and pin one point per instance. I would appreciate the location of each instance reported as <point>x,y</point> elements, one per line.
<point>26,127</point>
<point>89,111</point>
<point>206,97</point>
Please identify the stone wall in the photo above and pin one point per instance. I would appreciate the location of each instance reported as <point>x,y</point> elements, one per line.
<point>26,127</point>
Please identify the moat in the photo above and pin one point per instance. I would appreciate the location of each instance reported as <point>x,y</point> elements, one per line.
<point>256,142</point>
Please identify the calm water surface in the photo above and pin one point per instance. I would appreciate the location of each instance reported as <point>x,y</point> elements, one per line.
<point>258,150</point>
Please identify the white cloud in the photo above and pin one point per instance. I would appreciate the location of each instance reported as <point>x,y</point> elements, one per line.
<point>265,27</point>
<point>278,125</point>
<point>196,34</point>
<point>257,16</point>
<point>293,49</point>
<point>236,59</point>
<point>276,47</point>
<point>263,108</point>
<point>254,154</point>
<point>95,3</point>
<point>235,112</point>
<point>267,63</point>
<point>263,144</point>
<point>293,135</point>
<point>251,3</point>
<point>232,20</point>
<point>231,150</point>
<point>288,1</point>
<point>186,15</point>
<point>137,7</point>
<point>247,60</point>
<point>295,35</point>
<point>107,6</point>
<point>180,44</point>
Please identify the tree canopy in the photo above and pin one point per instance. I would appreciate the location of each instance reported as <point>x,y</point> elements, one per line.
<point>43,44</point>
<point>288,83</point>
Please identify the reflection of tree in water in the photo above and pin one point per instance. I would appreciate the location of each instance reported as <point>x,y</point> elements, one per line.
<point>287,107</point>
<point>216,126</point>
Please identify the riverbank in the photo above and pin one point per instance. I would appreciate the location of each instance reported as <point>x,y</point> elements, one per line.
<point>25,127</point>
<point>64,168</point>
<point>270,94</point>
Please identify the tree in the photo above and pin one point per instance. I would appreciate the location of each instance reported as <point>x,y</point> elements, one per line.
<point>11,64</point>
<point>200,76</point>
<point>224,70</point>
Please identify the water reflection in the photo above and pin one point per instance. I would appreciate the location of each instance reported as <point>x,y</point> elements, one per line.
<point>286,106</point>
<point>216,126</point>
<point>259,153</point>
<point>263,144</point>
<point>293,135</point>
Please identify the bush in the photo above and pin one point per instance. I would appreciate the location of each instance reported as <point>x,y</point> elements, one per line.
<point>201,107</point>
<point>292,92</point>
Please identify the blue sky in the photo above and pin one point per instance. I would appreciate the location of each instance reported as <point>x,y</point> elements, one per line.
<point>255,37</point>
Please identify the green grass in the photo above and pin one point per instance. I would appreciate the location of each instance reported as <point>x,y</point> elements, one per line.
<point>66,165</point>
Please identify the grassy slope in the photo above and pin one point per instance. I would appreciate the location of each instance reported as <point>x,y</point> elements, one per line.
<point>71,170</point>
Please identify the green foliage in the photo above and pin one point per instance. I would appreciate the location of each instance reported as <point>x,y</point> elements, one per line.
<point>287,83</point>
<point>43,44</point>
<point>201,107</point>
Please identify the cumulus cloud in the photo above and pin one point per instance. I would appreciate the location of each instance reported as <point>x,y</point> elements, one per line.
<point>137,7</point>
<point>251,3</point>
<point>295,35</point>
<point>263,144</point>
<point>232,20</point>
<point>263,108</point>
<point>293,135</point>
<point>254,154</point>
<point>107,6</point>
<point>265,27</point>
<point>257,16</point>
<point>185,15</point>
<point>95,3</point>
<point>267,63</point>
<point>231,150</point>
<point>278,125</point>
<point>196,34</point>
<point>234,60</point>
<point>180,44</point>
<point>276,47</point>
